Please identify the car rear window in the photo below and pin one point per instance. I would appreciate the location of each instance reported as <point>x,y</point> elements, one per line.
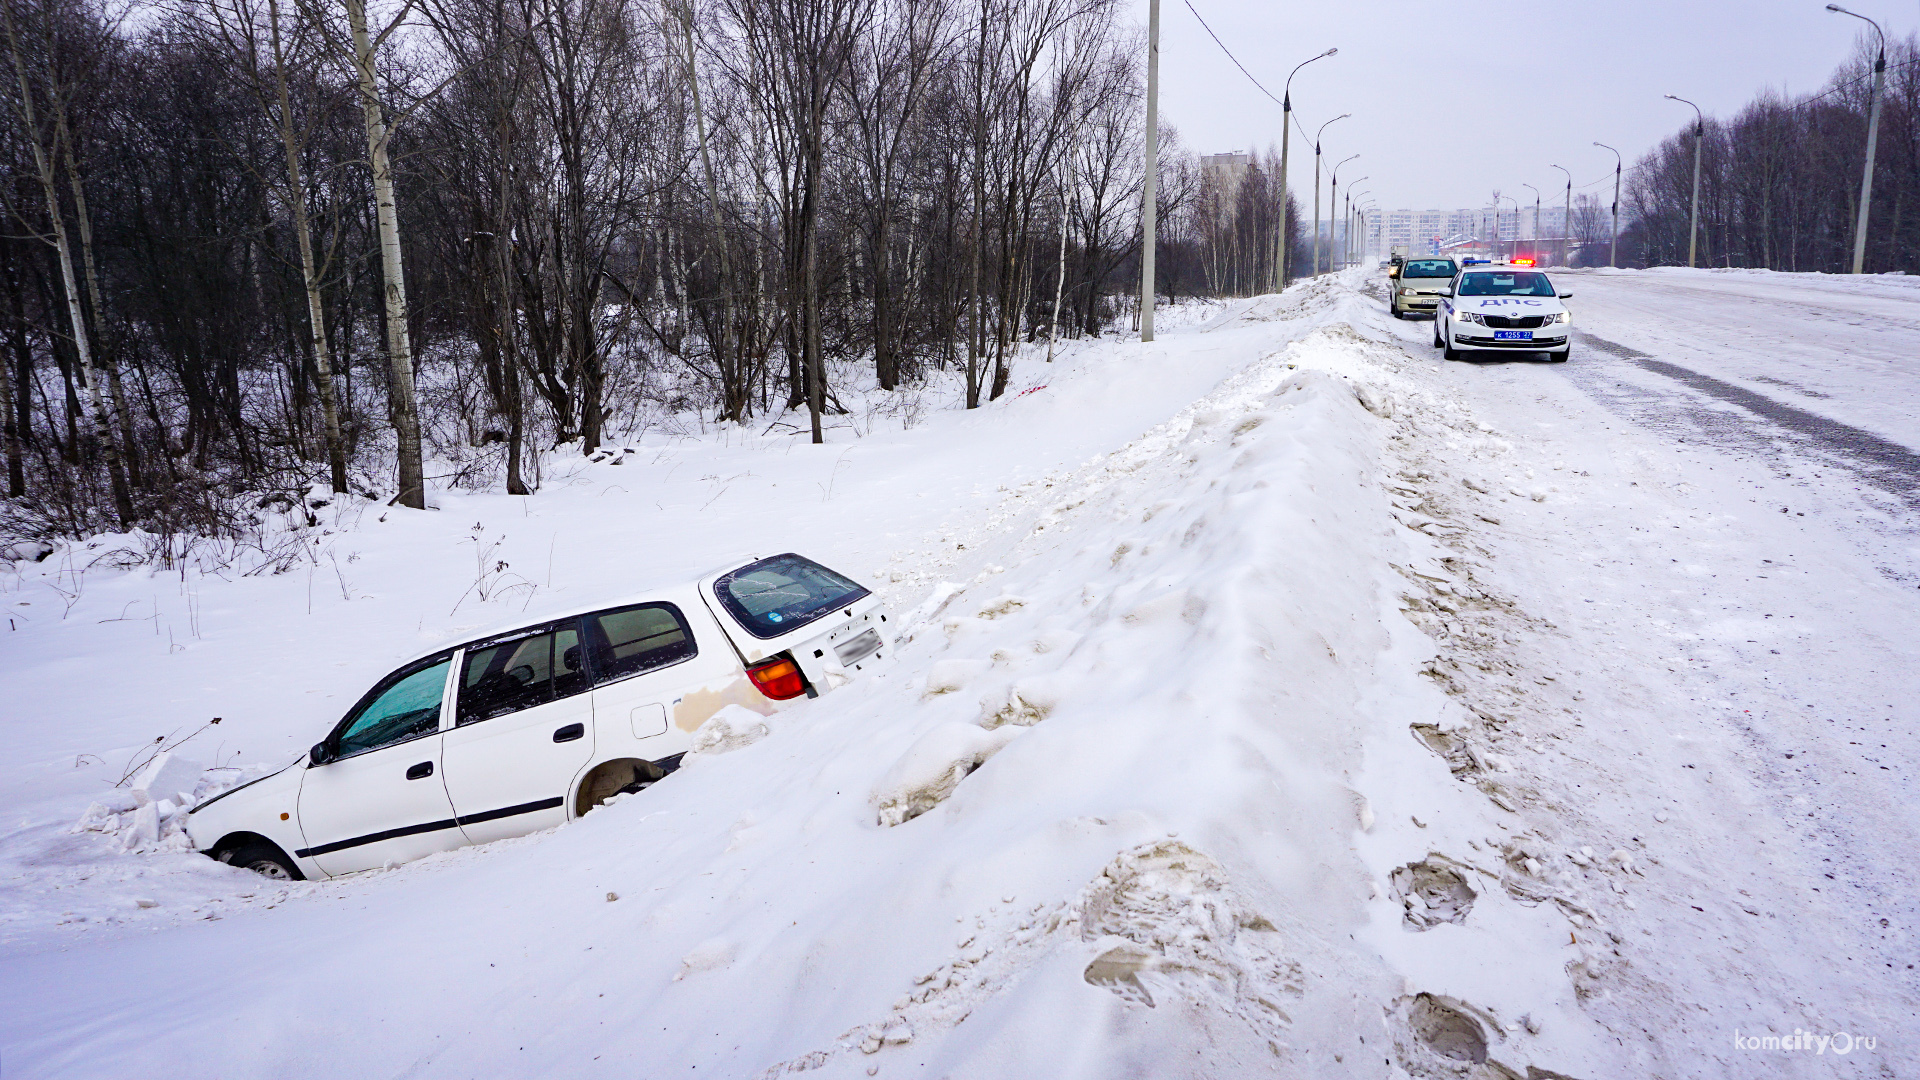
<point>781,593</point>
<point>1428,268</point>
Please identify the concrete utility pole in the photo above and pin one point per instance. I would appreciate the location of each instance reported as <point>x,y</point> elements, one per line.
<point>1286,141</point>
<point>1536,218</point>
<point>1333,203</point>
<point>1346,249</point>
<point>1699,132</point>
<point>1286,144</point>
<point>1566,223</point>
<point>1151,194</point>
<point>1346,223</point>
<point>1873,139</point>
<point>1613,249</point>
<point>1315,272</point>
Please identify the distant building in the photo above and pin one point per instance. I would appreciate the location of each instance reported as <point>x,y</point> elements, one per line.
<point>1428,232</point>
<point>1225,171</point>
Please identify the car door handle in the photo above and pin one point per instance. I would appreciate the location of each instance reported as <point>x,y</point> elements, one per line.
<point>420,771</point>
<point>570,733</point>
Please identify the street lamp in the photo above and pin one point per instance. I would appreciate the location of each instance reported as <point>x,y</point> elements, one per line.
<point>1566,223</point>
<point>1346,245</point>
<point>1286,143</point>
<point>1333,200</point>
<point>1536,217</point>
<point>1699,131</point>
<point>1873,139</point>
<point>1613,249</point>
<point>1316,190</point>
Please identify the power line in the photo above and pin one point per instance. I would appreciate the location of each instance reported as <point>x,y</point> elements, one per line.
<point>1229,52</point>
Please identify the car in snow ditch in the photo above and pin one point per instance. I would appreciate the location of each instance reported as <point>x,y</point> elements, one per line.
<point>1502,308</point>
<point>525,729</point>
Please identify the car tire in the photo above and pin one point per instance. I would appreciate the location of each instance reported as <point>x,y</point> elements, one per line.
<point>1437,342</point>
<point>1396,313</point>
<point>1559,356</point>
<point>263,857</point>
<point>1447,350</point>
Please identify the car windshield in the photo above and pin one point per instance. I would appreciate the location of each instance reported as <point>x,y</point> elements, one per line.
<point>783,593</point>
<point>1429,268</point>
<point>1506,283</point>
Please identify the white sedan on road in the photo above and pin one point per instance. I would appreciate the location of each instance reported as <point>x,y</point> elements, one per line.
<point>1505,309</point>
<point>522,730</point>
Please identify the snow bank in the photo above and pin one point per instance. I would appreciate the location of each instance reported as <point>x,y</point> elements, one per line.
<point>1134,792</point>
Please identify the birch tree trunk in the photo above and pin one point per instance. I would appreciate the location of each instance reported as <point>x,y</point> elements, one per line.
<point>122,417</point>
<point>309,275</point>
<point>101,430</point>
<point>401,402</point>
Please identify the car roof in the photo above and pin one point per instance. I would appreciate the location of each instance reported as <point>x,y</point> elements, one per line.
<point>457,638</point>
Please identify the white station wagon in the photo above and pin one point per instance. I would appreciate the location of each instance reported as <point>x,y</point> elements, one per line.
<point>523,730</point>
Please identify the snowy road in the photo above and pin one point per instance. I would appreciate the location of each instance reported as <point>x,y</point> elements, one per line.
<point>1735,521</point>
<point>1352,713</point>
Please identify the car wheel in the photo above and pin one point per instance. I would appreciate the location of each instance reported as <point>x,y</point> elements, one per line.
<point>263,858</point>
<point>1437,342</point>
<point>1396,313</point>
<point>1448,351</point>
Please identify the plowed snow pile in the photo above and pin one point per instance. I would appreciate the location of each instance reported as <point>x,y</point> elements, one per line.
<point>1182,771</point>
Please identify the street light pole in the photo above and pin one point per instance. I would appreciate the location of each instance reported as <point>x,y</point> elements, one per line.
<point>1566,222</point>
<point>1346,238</point>
<point>1873,139</point>
<point>1613,249</point>
<point>1315,272</point>
<point>1286,143</point>
<point>1352,196</point>
<point>1699,132</point>
<point>1333,199</point>
<point>1496,220</point>
<point>1536,217</point>
<point>1151,194</point>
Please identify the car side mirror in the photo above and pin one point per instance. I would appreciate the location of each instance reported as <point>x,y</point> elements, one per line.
<point>320,754</point>
<point>1566,296</point>
<point>1446,292</point>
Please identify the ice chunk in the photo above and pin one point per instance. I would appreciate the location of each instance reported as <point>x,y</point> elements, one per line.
<point>145,830</point>
<point>168,776</point>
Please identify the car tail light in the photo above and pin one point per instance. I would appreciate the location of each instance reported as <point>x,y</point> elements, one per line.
<point>779,679</point>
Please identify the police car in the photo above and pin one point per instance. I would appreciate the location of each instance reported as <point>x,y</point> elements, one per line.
<point>1502,308</point>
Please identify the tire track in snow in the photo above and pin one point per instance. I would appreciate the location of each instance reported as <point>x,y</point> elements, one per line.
<point>1881,462</point>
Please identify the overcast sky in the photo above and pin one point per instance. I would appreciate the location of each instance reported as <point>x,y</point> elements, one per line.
<point>1453,99</point>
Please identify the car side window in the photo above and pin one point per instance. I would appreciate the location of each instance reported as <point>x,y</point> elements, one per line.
<point>404,705</point>
<point>627,641</point>
<point>520,670</point>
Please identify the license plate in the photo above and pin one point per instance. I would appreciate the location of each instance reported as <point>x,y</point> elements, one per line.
<point>1513,335</point>
<point>858,648</point>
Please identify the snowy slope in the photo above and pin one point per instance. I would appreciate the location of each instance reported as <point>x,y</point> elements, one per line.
<point>1238,734</point>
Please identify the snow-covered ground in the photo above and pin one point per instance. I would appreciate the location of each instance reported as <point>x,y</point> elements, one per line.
<point>1336,711</point>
